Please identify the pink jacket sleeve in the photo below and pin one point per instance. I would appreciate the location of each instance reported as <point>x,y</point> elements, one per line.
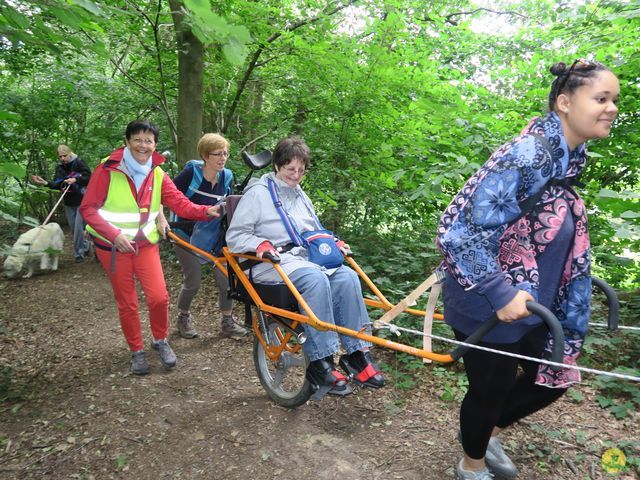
<point>179,203</point>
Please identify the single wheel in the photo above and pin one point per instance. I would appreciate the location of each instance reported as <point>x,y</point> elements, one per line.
<point>284,379</point>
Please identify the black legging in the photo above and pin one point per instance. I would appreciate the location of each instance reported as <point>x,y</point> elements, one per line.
<point>497,396</point>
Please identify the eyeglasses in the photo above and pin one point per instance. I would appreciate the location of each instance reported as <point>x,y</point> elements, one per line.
<point>576,65</point>
<point>142,141</point>
<point>219,154</point>
<point>62,156</point>
<point>294,171</point>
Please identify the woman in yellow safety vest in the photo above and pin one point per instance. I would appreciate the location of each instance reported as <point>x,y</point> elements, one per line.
<point>121,206</point>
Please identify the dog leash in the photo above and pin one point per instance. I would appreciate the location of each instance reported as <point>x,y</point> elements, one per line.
<point>46,220</point>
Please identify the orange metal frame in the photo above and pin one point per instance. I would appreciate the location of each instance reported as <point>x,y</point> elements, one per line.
<point>310,318</point>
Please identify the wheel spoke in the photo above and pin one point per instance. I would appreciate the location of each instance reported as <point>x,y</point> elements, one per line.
<point>278,378</point>
<point>294,360</point>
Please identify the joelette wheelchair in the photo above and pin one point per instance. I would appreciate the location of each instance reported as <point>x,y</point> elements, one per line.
<point>276,312</point>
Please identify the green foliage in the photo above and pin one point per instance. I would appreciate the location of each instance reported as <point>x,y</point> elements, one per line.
<point>618,352</point>
<point>619,397</point>
<point>405,371</point>
<point>400,101</point>
<point>45,25</point>
<point>454,384</point>
<point>121,461</point>
<point>210,27</point>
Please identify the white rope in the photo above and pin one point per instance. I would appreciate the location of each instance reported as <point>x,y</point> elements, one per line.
<point>396,329</point>
<point>619,327</point>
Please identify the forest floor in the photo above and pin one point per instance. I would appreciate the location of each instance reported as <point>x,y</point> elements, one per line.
<point>70,409</point>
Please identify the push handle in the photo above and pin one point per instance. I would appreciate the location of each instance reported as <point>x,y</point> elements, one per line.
<point>271,256</point>
<point>535,308</point>
<point>612,300</point>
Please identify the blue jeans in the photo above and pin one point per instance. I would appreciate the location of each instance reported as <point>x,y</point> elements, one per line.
<point>336,299</point>
<point>76,224</point>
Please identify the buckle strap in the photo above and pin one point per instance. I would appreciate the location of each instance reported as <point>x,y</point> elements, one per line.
<point>339,376</point>
<point>286,248</point>
<point>368,372</point>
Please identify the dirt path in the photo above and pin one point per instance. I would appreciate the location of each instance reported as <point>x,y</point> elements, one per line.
<point>73,410</point>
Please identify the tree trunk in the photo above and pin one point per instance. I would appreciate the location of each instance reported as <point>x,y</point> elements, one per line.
<point>190,90</point>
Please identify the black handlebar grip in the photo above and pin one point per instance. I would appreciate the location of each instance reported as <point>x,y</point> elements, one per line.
<point>557,354</point>
<point>612,300</point>
<point>557,351</point>
<point>271,256</point>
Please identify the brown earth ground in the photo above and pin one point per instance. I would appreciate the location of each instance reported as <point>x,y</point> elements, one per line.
<point>73,411</point>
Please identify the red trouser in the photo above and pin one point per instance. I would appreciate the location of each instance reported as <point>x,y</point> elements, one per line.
<point>146,267</point>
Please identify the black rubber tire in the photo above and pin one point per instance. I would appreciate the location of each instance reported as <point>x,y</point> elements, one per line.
<point>284,382</point>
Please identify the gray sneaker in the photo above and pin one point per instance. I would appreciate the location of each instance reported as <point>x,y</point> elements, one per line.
<point>185,325</point>
<point>498,461</point>
<point>167,357</point>
<point>139,365</point>
<point>230,328</point>
<point>462,474</point>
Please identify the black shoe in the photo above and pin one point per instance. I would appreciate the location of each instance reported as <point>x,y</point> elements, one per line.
<point>360,367</point>
<point>323,375</point>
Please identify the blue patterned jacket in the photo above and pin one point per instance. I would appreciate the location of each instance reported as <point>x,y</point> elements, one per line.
<point>483,222</point>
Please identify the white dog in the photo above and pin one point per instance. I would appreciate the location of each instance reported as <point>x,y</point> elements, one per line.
<point>38,247</point>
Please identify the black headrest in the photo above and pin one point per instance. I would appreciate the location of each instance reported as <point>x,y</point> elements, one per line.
<point>258,160</point>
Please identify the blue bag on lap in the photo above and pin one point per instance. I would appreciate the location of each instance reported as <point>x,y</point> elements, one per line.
<point>322,248</point>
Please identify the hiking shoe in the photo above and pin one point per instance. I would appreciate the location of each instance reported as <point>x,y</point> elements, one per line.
<point>139,365</point>
<point>185,325</point>
<point>462,474</point>
<point>230,328</point>
<point>498,461</point>
<point>167,357</point>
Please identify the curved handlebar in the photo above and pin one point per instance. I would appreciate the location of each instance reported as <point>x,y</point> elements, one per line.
<point>612,300</point>
<point>544,313</point>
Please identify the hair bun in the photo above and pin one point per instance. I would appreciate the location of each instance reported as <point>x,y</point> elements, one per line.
<point>558,69</point>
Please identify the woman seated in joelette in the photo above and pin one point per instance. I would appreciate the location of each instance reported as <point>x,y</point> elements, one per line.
<point>334,295</point>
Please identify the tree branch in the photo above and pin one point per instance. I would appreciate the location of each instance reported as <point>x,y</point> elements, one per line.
<point>272,129</point>
<point>449,18</point>
<point>162,97</point>
<point>328,11</point>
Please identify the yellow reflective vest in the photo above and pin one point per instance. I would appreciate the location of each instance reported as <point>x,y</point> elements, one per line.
<point>122,211</point>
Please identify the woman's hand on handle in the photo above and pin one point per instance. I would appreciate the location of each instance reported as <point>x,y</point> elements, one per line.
<point>516,308</point>
<point>344,247</point>
<point>266,249</point>
<point>214,211</point>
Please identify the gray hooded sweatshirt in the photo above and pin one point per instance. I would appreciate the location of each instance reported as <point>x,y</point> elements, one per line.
<point>256,219</point>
